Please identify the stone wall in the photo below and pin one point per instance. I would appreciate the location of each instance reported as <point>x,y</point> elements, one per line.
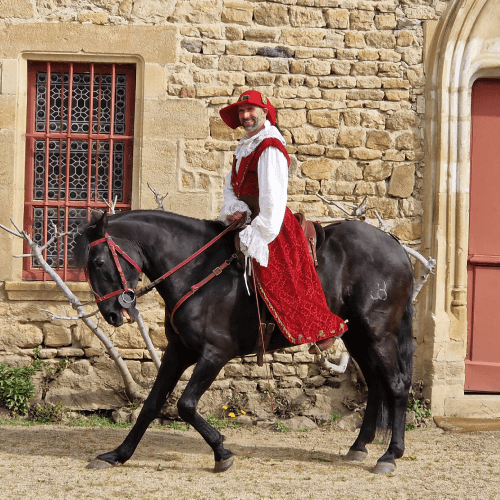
<point>348,81</point>
<point>91,380</point>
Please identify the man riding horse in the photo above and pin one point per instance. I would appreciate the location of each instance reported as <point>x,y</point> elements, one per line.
<point>256,192</point>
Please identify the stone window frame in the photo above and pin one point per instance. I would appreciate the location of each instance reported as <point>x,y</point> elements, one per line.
<point>21,289</point>
<point>148,47</point>
<point>31,272</point>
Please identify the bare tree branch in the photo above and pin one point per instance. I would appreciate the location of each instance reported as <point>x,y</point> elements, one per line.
<point>10,231</point>
<point>134,390</point>
<point>159,199</point>
<point>359,211</point>
<point>111,206</point>
<point>149,344</point>
<point>54,316</point>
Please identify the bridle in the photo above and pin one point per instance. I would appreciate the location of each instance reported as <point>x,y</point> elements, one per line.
<point>129,295</point>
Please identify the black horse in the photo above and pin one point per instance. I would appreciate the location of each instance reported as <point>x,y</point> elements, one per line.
<point>365,273</point>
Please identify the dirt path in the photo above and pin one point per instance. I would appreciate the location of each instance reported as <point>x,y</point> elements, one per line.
<point>48,462</point>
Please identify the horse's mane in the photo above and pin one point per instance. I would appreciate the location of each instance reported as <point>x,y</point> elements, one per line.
<point>80,253</point>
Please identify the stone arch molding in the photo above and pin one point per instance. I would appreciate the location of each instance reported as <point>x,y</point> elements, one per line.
<point>465,46</point>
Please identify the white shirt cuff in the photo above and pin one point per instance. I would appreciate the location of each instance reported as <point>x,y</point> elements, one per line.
<point>256,246</point>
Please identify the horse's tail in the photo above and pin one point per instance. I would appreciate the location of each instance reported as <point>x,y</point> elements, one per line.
<point>406,348</point>
<point>405,341</point>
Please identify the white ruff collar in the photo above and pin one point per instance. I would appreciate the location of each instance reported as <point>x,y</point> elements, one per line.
<point>249,144</point>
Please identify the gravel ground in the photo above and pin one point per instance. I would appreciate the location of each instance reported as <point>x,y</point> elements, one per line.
<point>48,462</point>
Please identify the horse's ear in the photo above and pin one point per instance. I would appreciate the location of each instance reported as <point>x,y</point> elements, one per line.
<point>102,223</point>
<point>97,228</point>
<point>93,231</point>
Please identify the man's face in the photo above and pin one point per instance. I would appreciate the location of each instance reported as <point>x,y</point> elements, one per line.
<point>252,117</point>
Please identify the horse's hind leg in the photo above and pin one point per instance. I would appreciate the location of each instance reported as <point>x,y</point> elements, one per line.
<point>203,375</point>
<point>387,368</point>
<point>175,361</point>
<point>399,390</point>
<point>397,383</point>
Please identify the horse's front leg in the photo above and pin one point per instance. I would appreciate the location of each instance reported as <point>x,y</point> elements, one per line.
<point>175,361</point>
<point>204,374</point>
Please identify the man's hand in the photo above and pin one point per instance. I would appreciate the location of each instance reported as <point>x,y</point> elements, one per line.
<point>241,216</point>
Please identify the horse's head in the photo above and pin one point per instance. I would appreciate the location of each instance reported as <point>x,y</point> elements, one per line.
<point>112,264</point>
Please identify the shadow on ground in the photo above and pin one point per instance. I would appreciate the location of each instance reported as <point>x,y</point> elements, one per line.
<point>157,445</point>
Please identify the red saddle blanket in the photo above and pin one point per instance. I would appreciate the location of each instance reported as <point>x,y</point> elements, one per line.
<point>291,289</point>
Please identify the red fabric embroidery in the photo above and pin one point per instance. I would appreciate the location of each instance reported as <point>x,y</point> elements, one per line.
<point>289,284</point>
<point>245,182</point>
<point>291,288</point>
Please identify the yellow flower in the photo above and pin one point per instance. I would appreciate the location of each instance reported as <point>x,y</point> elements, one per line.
<point>243,412</point>
<point>232,415</point>
<point>224,407</point>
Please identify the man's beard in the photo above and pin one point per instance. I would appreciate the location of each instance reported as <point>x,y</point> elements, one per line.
<point>251,127</point>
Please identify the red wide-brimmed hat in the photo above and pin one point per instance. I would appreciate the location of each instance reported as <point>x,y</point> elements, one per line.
<point>230,113</point>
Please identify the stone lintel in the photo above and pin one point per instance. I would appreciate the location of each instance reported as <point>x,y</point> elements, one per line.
<point>152,43</point>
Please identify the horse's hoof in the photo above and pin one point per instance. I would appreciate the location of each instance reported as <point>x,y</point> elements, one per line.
<point>223,465</point>
<point>97,464</point>
<point>356,455</point>
<point>384,468</point>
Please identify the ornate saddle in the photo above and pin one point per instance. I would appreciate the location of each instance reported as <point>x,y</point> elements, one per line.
<point>314,233</point>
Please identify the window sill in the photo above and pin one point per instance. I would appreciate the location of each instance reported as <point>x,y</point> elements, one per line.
<point>45,291</point>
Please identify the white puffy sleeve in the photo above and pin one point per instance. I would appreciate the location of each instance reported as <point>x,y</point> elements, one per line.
<point>273,182</point>
<point>231,204</point>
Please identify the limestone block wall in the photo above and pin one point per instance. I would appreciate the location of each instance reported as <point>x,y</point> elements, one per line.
<point>348,81</point>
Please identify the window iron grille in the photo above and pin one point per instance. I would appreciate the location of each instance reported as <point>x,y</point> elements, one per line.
<point>79,146</point>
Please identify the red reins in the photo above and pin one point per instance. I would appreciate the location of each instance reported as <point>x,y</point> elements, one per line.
<point>129,295</point>
<point>149,287</point>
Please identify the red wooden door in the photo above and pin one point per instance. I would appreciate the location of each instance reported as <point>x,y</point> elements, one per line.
<point>482,365</point>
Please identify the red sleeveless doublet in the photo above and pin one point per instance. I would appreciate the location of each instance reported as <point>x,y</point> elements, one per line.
<point>289,285</point>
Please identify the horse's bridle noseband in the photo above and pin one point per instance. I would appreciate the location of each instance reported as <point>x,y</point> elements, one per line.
<point>128,295</point>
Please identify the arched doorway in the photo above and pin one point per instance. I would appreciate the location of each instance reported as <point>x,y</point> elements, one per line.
<point>464,47</point>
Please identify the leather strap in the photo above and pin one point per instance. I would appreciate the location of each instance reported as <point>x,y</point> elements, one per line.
<point>149,287</point>
<point>216,272</point>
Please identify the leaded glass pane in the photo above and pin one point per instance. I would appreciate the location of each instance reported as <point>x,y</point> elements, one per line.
<point>80,110</point>
<point>58,108</point>
<point>118,168</point>
<point>78,170</point>
<point>39,171</point>
<point>80,104</point>
<point>56,170</point>
<point>120,95</point>
<point>55,219</point>
<point>55,251</point>
<point>76,216</point>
